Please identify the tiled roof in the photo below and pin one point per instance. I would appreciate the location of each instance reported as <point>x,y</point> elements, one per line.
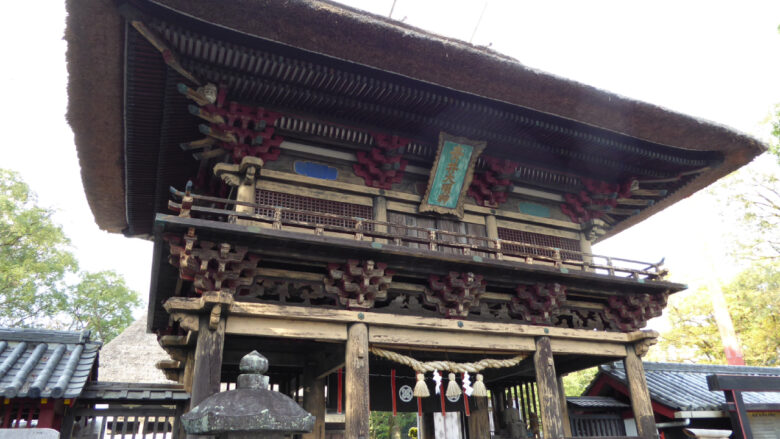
<point>684,386</point>
<point>38,363</point>
<point>596,402</point>
<point>134,392</point>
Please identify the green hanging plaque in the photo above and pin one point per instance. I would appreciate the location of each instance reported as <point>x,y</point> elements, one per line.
<point>451,175</point>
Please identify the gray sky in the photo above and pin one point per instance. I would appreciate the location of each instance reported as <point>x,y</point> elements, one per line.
<point>717,60</point>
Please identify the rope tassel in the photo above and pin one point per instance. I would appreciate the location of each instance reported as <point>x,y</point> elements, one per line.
<point>453,390</point>
<point>479,387</point>
<point>421,389</point>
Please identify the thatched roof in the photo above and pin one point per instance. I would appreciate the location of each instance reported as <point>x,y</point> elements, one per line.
<point>131,357</point>
<point>95,35</point>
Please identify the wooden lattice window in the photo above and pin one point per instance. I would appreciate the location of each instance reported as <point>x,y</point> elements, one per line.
<point>312,206</point>
<point>573,245</point>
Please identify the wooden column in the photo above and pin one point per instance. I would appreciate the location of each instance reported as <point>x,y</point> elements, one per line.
<point>564,408</point>
<point>380,214</point>
<point>314,401</point>
<point>498,408</point>
<point>640,396</point>
<point>585,248</point>
<point>249,169</point>
<point>491,227</point>
<point>547,386</point>
<point>427,427</point>
<point>479,421</point>
<point>207,372</point>
<point>740,422</point>
<point>356,368</point>
<point>189,368</point>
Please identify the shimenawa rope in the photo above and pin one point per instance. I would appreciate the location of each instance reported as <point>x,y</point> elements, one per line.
<point>421,390</point>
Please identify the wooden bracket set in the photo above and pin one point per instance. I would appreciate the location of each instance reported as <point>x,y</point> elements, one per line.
<point>358,284</point>
<point>491,187</point>
<point>455,294</point>
<point>211,266</point>
<point>384,165</point>
<point>538,304</point>
<point>596,199</point>
<point>631,312</point>
<point>242,130</point>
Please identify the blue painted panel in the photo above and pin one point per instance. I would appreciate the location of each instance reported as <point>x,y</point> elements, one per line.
<point>534,209</point>
<point>316,170</point>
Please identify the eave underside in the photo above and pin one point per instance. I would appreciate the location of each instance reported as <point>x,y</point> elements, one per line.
<point>399,104</point>
<point>312,87</point>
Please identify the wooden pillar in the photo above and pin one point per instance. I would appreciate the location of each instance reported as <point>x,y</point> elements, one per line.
<point>564,408</point>
<point>380,214</point>
<point>498,407</point>
<point>427,427</point>
<point>189,367</point>
<point>547,386</point>
<point>207,372</point>
<point>491,226</point>
<point>640,396</point>
<point>740,422</point>
<point>479,421</point>
<point>46,414</point>
<point>314,401</point>
<point>356,368</point>
<point>246,189</point>
<point>585,248</point>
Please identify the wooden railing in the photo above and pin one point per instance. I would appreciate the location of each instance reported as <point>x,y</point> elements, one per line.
<point>123,422</point>
<point>218,209</point>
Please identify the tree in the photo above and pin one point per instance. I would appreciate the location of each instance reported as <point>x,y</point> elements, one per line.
<point>101,302</point>
<point>38,272</point>
<point>575,383</point>
<point>383,425</point>
<point>753,299</point>
<point>34,256</point>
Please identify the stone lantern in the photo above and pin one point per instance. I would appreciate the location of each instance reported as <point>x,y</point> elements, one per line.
<point>251,410</point>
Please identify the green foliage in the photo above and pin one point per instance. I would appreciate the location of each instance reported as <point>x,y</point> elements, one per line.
<point>101,302</point>
<point>575,383</point>
<point>412,433</point>
<point>34,256</point>
<point>37,269</point>
<point>753,299</point>
<point>774,148</point>
<point>383,425</point>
